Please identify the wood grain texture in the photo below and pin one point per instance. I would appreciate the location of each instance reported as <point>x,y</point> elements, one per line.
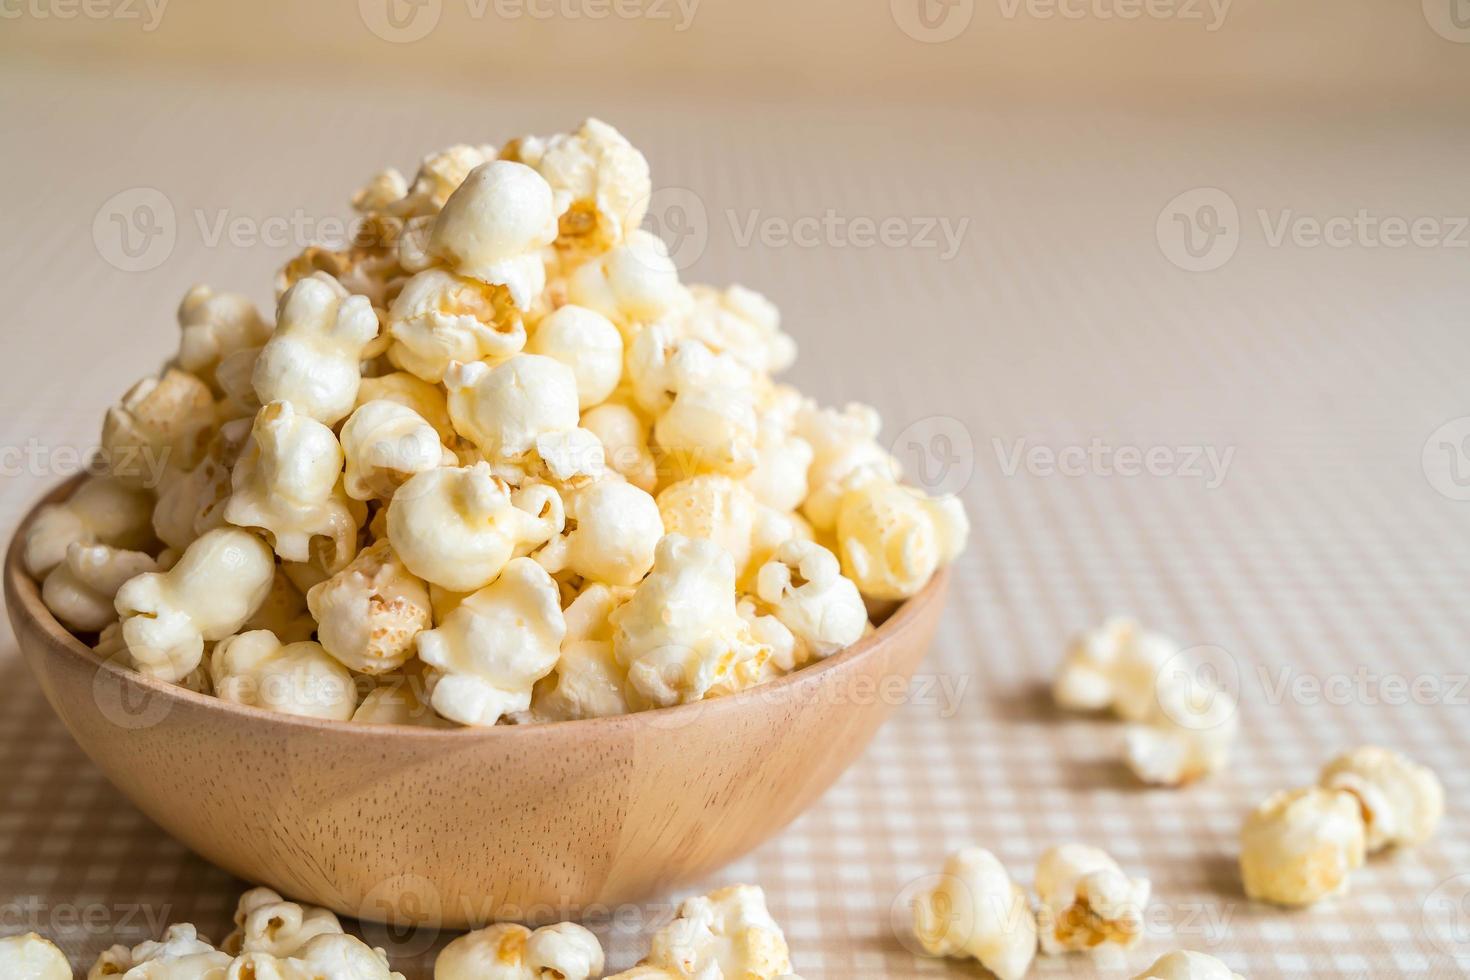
<point>457,827</point>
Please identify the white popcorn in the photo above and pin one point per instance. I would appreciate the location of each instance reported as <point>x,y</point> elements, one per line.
<point>439,175</point>
<point>782,460</point>
<point>288,482</point>
<point>845,452</point>
<point>805,589</point>
<point>604,177</point>
<point>457,527</point>
<point>1401,801</point>
<point>312,359</point>
<point>221,579</point>
<point>506,951</point>
<point>892,538</point>
<point>384,444</point>
<point>400,699</point>
<point>1118,666</point>
<point>1188,965</point>
<point>1299,845</point>
<point>1188,736</point>
<point>588,681</point>
<point>30,957</point>
<point>490,651</point>
<point>301,678</point>
<point>440,318</point>
<point>680,636</point>
<point>332,956</point>
<point>709,429</point>
<point>267,923</point>
<point>283,612</point>
<point>570,458</point>
<point>370,612</point>
<point>728,933</point>
<point>384,189</point>
<point>614,529</point>
<point>589,344</point>
<point>624,443</point>
<point>503,409</point>
<point>426,400</point>
<point>1087,902</point>
<point>977,911</point>
<point>740,322</point>
<point>161,424</point>
<point>713,507</point>
<point>194,502</point>
<point>634,283</point>
<point>215,326</point>
<point>494,226</point>
<point>182,954</point>
<point>80,591</point>
<point>101,511</point>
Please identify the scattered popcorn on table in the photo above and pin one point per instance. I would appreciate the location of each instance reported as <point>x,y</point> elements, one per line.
<point>728,934</point>
<point>496,404</point>
<point>978,911</point>
<point>1188,736</point>
<point>1188,965</point>
<point>1114,667</point>
<point>267,923</point>
<point>182,954</point>
<point>1087,902</point>
<point>1401,801</point>
<point>1299,845</point>
<point>30,957</point>
<point>506,951</point>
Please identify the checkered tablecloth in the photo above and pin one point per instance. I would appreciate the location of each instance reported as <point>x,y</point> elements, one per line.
<point>1301,513</point>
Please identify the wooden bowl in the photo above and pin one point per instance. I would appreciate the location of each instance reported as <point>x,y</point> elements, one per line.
<point>459,827</point>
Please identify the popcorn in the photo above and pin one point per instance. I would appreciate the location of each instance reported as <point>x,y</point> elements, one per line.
<point>491,650</point>
<point>624,444</point>
<point>384,444</point>
<point>215,326</point>
<point>221,579</point>
<point>370,612</point>
<point>604,176</point>
<point>680,636</point>
<point>589,344</point>
<point>288,483</point>
<point>440,318</point>
<point>588,681</point>
<point>1299,845</point>
<point>892,538</point>
<point>715,508</point>
<point>1188,736</point>
<point>1117,666</point>
<point>741,322</point>
<point>845,452</point>
<point>194,502</point>
<point>1401,802</point>
<point>494,225</point>
<point>256,669</point>
<point>978,911</point>
<point>426,400</point>
<point>804,587</point>
<point>614,529</point>
<point>283,612</point>
<point>728,933</point>
<point>1188,965</point>
<point>571,457</point>
<point>267,923</point>
<point>634,283</point>
<point>457,527</point>
<point>160,424</point>
<point>30,957</point>
<point>399,699</point>
<point>311,361</point>
<point>1087,901</point>
<point>506,951</point>
<point>80,591</point>
<point>182,954</point>
<point>782,460</point>
<point>439,175</point>
<point>383,190</point>
<point>503,409</point>
<point>332,956</point>
<point>103,510</point>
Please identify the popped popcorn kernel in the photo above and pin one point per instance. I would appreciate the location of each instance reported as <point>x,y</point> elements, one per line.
<point>977,911</point>
<point>1298,846</point>
<point>1087,901</point>
<point>1401,801</point>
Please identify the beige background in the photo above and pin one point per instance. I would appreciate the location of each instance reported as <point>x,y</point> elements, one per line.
<point>1329,552</point>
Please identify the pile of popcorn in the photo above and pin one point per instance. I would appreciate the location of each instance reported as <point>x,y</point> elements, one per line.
<point>492,463</point>
<point>726,935</point>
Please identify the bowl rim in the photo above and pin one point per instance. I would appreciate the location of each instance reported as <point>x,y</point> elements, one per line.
<point>23,595</point>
